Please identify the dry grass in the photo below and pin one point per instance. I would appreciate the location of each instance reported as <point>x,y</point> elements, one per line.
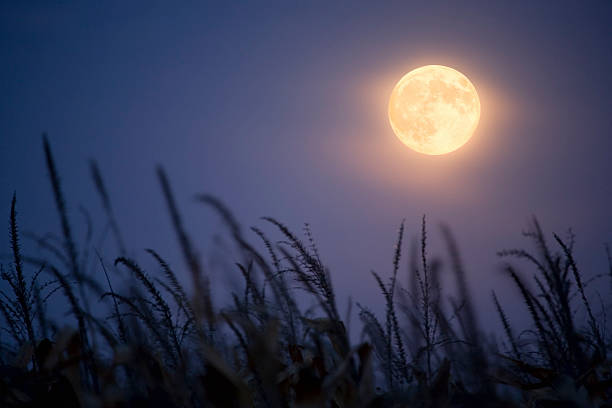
<point>155,343</point>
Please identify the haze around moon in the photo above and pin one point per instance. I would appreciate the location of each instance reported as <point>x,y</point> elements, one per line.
<point>434,109</point>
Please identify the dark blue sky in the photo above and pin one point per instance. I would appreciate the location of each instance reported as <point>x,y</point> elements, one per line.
<point>280,109</point>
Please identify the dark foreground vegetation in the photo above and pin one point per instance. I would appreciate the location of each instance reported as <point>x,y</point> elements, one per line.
<point>156,343</point>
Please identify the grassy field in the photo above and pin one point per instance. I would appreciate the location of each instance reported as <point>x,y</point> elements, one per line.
<point>156,343</point>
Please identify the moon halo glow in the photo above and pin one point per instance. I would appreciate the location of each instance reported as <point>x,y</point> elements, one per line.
<point>434,109</point>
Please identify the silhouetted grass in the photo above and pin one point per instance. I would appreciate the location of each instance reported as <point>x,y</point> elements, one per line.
<point>162,344</point>
<point>106,204</point>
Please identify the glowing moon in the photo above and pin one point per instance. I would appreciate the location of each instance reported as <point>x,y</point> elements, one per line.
<point>434,109</point>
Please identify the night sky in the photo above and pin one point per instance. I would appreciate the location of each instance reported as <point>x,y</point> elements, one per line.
<point>281,110</point>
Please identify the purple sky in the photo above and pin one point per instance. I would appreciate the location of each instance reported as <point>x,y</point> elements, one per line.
<point>280,110</point>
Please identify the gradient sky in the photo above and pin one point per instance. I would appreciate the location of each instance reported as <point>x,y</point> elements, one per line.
<point>280,109</point>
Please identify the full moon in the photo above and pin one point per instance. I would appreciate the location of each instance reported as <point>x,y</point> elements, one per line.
<point>434,109</point>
